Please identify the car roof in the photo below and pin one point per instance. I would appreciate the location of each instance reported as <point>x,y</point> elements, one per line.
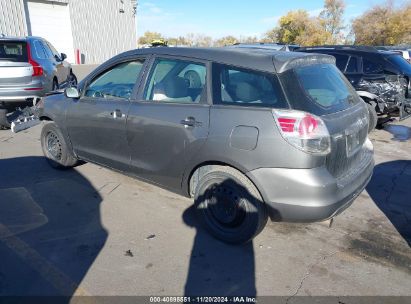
<point>20,39</point>
<point>259,59</point>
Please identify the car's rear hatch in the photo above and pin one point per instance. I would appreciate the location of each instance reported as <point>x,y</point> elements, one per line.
<point>321,89</point>
<point>15,69</point>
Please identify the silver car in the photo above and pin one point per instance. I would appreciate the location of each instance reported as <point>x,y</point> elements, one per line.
<point>30,67</point>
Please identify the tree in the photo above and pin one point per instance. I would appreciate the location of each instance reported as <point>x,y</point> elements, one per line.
<point>148,37</point>
<point>331,17</point>
<point>297,27</point>
<point>383,25</point>
<point>227,40</point>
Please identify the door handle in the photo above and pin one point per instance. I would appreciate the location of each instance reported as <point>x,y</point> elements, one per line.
<point>117,114</point>
<point>190,122</point>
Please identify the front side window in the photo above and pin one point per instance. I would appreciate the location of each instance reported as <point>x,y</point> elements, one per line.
<point>117,82</point>
<point>176,81</point>
<point>236,86</point>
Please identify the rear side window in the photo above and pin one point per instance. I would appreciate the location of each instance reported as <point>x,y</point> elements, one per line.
<point>176,81</point>
<point>352,66</point>
<point>319,89</point>
<point>371,67</point>
<point>243,87</point>
<point>13,51</point>
<point>40,50</point>
<point>116,82</point>
<point>341,61</point>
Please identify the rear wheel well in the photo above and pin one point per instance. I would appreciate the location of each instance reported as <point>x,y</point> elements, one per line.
<point>201,169</point>
<point>45,118</point>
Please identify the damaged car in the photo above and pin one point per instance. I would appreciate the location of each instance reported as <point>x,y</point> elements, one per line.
<point>248,134</point>
<point>30,67</point>
<point>381,78</point>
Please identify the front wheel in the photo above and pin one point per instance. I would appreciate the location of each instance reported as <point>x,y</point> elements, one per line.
<point>229,205</point>
<point>55,148</point>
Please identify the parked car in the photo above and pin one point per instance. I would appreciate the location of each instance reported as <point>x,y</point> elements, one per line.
<point>249,134</point>
<point>381,78</point>
<point>30,67</point>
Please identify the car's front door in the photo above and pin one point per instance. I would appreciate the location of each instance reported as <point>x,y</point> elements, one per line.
<point>169,123</point>
<point>97,121</point>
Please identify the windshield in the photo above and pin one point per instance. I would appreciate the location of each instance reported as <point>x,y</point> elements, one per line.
<point>320,89</point>
<point>13,51</point>
<point>400,63</point>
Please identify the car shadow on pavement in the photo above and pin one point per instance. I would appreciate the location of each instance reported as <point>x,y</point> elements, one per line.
<point>50,229</point>
<point>390,188</point>
<point>217,268</point>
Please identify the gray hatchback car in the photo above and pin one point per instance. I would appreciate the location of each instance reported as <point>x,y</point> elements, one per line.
<point>249,134</point>
<point>30,67</point>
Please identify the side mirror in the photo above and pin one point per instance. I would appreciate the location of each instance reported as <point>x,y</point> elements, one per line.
<point>63,56</point>
<point>72,93</point>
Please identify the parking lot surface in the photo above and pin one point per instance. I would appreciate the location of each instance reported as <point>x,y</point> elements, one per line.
<point>92,231</point>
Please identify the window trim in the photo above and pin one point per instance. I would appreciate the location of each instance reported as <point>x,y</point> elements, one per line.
<point>99,72</point>
<point>205,99</point>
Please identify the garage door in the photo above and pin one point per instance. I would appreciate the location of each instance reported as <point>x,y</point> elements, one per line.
<point>52,22</point>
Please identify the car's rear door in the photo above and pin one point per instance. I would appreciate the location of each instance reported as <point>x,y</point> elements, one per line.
<point>97,121</point>
<point>169,123</point>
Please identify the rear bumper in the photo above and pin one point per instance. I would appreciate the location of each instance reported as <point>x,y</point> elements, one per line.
<point>310,195</point>
<point>13,94</point>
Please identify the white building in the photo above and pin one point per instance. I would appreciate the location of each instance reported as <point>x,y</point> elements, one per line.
<point>88,31</point>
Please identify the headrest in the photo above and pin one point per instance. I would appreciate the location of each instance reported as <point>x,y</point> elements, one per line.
<point>247,92</point>
<point>176,87</point>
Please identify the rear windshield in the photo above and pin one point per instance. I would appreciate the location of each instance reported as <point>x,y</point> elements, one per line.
<point>319,89</point>
<point>13,51</point>
<point>400,63</point>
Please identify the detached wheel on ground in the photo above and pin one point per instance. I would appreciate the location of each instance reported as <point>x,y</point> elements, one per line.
<point>229,205</point>
<point>55,148</point>
<point>373,119</point>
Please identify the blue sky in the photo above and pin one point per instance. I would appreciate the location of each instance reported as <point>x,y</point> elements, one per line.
<point>218,18</point>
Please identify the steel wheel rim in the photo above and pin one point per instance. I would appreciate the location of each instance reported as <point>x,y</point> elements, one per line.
<point>53,146</point>
<point>225,207</point>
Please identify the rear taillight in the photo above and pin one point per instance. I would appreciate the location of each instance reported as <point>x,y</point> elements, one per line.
<point>37,69</point>
<point>304,131</point>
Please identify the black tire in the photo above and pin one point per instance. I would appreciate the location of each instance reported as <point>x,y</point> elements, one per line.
<point>55,147</point>
<point>229,205</point>
<point>4,123</point>
<point>55,86</point>
<point>373,119</point>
